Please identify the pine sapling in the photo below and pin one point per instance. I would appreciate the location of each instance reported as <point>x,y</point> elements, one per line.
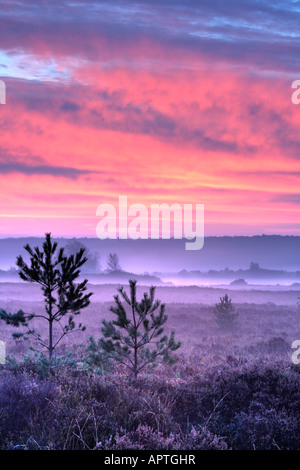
<point>55,273</point>
<point>135,338</point>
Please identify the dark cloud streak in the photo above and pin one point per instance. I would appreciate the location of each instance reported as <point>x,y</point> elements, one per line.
<point>9,164</point>
<point>262,33</point>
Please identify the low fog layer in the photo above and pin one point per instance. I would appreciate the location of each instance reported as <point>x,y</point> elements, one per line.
<point>219,253</point>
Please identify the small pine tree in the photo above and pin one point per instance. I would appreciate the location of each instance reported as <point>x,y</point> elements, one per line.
<point>136,340</point>
<point>225,314</point>
<point>56,275</point>
<point>95,358</point>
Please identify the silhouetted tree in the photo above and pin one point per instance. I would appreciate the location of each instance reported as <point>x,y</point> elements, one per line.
<point>136,339</point>
<point>92,264</point>
<point>113,263</point>
<point>56,275</point>
<point>225,314</point>
<point>254,266</point>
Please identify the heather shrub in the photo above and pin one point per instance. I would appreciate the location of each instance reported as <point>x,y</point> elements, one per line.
<point>143,438</point>
<point>275,345</point>
<point>265,429</point>
<point>200,439</point>
<point>146,438</point>
<point>241,406</point>
<point>253,408</point>
<point>23,402</point>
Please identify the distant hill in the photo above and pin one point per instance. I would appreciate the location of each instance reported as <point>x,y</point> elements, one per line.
<point>235,277</point>
<point>270,251</point>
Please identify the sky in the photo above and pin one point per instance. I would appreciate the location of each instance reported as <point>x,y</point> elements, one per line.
<point>185,102</point>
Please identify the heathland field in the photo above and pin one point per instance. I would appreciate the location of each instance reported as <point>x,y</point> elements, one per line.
<point>235,388</point>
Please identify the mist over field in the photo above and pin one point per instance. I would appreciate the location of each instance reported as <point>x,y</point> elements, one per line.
<point>264,313</point>
<point>258,259</point>
<point>230,387</point>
